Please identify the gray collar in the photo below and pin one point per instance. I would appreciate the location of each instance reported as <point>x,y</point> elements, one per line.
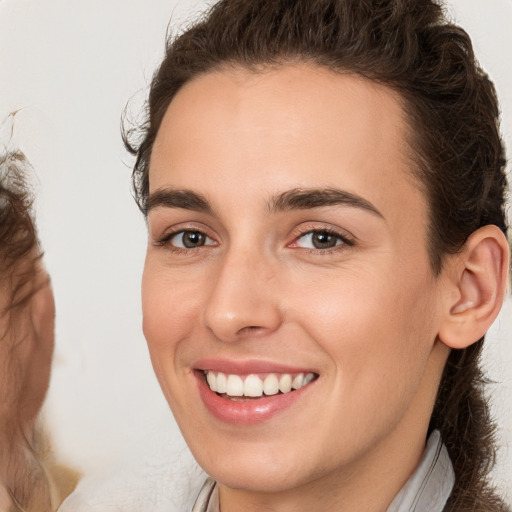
<point>431,484</point>
<point>427,490</point>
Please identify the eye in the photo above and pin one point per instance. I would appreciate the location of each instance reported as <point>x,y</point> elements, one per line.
<point>320,239</point>
<point>188,239</point>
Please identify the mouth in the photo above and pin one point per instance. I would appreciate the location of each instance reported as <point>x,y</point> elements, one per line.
<point>251,392</point>
<point>253,386</point>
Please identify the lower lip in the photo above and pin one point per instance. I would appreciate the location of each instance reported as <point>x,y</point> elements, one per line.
<point>248,412</point>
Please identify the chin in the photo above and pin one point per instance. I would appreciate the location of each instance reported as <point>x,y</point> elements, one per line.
<point>257,478</point>
<point>263,467</point>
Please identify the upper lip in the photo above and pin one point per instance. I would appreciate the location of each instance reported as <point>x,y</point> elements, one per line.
<point>246,367</point>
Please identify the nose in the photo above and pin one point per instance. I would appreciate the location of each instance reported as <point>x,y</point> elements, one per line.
<point>243,300</point>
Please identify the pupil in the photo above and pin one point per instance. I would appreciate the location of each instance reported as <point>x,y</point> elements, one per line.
<point>193,239</point>
<point>323,240</point>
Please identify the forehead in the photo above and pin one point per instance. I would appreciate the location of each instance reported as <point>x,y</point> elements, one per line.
<point>287,127</point>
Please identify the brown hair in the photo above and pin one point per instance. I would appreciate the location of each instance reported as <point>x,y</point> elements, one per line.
<point>23,480</point>
<point>407,45</point>
<point>18,237</point>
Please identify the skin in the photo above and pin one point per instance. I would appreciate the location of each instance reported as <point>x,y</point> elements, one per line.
<point>364,315</point>
<point>27,346</point>
<point>25,356</point>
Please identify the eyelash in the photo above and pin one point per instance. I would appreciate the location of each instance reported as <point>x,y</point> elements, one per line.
<point>346,240</point>
<point>164,241</point>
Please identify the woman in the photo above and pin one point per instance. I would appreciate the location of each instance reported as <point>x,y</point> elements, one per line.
<point>26,346</point>
<point>324,189</point>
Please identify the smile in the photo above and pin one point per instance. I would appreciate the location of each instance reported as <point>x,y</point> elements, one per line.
<point>251,392</point>
<point>256,385</point>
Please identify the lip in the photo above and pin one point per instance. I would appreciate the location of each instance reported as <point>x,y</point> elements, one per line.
<point>249,412</point>
<point>247,367</point>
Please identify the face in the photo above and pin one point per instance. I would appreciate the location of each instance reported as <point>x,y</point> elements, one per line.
<point>287,269</point>
<point>39,354</point>
<point>27,346</point>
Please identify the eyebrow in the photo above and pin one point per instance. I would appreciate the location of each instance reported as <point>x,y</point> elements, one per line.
<point>294,199</point>
<point>172,198</point>
<point>306,198</point>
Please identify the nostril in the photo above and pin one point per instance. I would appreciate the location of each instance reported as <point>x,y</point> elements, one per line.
<point>250,329</point>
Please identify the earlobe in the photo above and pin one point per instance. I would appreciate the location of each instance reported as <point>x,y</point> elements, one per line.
<point>478,282</point>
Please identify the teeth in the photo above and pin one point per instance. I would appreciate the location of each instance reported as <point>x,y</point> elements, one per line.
<point>285,383</point>
<point>256,386</point>
<point>212,380</point>
<point>234,386</point>
<point>307,379</point>
<point>298,381</point>
<point>221,383</point>
<point>271,385</point>
<point>253,386</point>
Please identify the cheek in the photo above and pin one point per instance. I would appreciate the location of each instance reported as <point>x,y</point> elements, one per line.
<point>377,331</point>
<point>43,317</point>
<point>378,344</point>
<point>170,307</point>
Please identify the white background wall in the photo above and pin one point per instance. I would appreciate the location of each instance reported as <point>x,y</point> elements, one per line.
<point>69,67</point>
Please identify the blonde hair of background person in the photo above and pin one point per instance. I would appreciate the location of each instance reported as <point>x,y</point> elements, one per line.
<point>26,345</point>
<point>242,175</point>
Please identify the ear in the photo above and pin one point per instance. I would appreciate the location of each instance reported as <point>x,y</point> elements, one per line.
<point>476,285</point>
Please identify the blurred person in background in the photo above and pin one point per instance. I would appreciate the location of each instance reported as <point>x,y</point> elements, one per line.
<point>27,314</point>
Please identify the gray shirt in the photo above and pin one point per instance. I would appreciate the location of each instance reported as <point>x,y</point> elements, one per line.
<point>427,490</point>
